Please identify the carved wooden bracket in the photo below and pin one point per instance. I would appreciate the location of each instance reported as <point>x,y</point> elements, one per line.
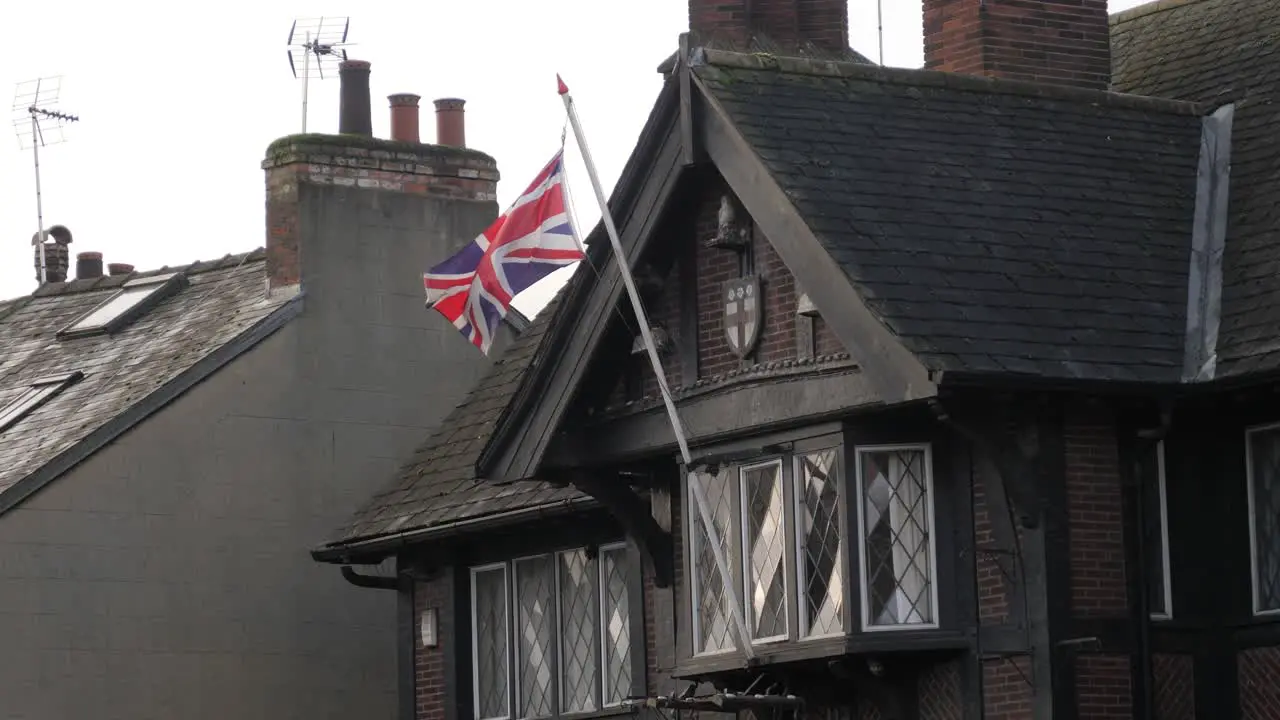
<point>1012,442</point>
<point>632,512</point>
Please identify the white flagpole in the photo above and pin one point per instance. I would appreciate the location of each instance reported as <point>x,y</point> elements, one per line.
<point>722,563</point>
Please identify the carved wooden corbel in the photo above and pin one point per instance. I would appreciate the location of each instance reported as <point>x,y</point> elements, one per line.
<point>632,512</point>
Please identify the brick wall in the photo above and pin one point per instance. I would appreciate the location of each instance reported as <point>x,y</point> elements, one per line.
<point>407,168</point>
<point>1006,694</point>
<point>823,23</point>
<point>1103,690</point>
<point>1064,42</point>
<point>1259,672</point>
<point>429,663</point>
<point>1096,522</point>
<point>940,693</point>
<point>1173,686</point>
<point>993,602</point>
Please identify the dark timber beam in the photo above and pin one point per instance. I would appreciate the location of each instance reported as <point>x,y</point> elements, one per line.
<point>898,374</point>
<point>633,514</point>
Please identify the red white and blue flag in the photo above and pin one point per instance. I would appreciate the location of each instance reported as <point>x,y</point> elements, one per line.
<point>533,238</point>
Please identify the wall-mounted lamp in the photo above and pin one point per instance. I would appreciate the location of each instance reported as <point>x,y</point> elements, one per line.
<point>429,636</point>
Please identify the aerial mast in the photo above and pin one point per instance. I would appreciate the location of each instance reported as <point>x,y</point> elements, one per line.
<point>39,124</point>
<point>316,43</point>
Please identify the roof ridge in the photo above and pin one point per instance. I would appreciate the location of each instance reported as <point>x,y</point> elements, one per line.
<point>196,267</point>
<point>1151,8</point>
<point>936,78</point>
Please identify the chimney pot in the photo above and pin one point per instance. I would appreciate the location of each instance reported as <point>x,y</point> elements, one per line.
<point>57,256</point>
<point>451,127</point>
<point>88,265</point>
<point>119,268</point>
<point>404,117</point>
<point>354,111</point>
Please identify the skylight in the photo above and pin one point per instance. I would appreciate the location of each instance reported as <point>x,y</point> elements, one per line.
<point>33,396</point>
<point>125,306</point>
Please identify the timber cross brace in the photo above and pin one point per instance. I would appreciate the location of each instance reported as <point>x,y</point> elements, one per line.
<point>632,512</point>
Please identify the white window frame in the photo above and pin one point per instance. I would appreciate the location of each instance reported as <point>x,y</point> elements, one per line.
<point>36,393</point>
<point>508,589</point>
<point>510,602</point>
<point>148,290</point>
<point>863,581</point>
<point>798,510</point>
<point>1256,600</point>
<point>1165,613</point>
<point>691,550</point>
<point>748,574</point>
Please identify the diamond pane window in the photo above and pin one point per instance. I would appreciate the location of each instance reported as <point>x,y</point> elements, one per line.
<point>712,631</point>
<point>819,544</point>
<point>615,624</point>
<point>535,620</point>
<point>1263,451</point>
<point>894,487</point>
<point>578,597</point>
<point>765,546</point>
<point>489,641</point>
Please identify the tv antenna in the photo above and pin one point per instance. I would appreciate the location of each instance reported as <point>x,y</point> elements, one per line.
<point>39,125</point>
<point>317,42</point>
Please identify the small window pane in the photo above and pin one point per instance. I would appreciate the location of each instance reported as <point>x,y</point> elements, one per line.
<point>489,599</point>
<point>897,537</point>
<point>116,306</point>
<point>1153,494</point>
<point>578,621</point>
<point>617,626</point>
<point>1264,501</point>
<point>711,619</point>
<point>535,621</point>
<point>765,544</point>
<point>821,576</point>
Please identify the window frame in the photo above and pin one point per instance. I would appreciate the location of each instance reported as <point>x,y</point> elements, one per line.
<point>1254,587</point>
<point>863,581</point>
<point>36,393</point>
<point>843,523</point>
<point>790,593</point>
<point>162,287</point>
<point>512,661</point>
<point>1166,612</point>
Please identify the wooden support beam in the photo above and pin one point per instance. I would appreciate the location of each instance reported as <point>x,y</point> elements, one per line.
<point>633,514</point>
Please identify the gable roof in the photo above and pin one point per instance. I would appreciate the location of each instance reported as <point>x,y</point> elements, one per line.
<point>993,226</point>
<point>127,374</point>
<point>1219,51</point>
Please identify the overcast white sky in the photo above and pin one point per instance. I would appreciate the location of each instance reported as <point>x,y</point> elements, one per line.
<point>178,105</point>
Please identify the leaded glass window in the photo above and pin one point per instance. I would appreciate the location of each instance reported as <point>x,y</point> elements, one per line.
<point>895,505</point>
<point>712,631</point>
<point>819,543</point>
<point>560,629</point>
<point>764,542</point>
<point>1264,516</point>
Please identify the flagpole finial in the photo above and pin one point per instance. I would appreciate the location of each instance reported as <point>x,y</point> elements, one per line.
<point>564,89</point>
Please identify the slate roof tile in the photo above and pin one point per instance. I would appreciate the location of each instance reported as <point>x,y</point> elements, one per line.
<point>992,228</point>
<point>224,298</point>
<point>1219,51</point>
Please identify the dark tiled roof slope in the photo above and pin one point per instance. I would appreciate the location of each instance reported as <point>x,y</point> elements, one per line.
<point>225,297</point>
<point>1219,51</point>
<point>992,226</point>
<point>438,484</point>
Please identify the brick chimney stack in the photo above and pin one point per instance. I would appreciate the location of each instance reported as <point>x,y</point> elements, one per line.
<point>57,254</point>
<point>404,117</point>
<point>788,24</point>
<point>451,127</point>
<point>355,115</point>
<point>1060,42</point>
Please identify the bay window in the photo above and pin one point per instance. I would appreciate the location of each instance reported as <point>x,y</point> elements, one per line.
<point>551,634</point>
<point>779,525</point>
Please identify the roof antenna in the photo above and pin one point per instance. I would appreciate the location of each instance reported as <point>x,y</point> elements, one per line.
<point>39,125</point>
<point>322,38</point>
<point>880,29</point>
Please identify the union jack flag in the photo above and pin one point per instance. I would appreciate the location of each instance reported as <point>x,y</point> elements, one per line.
<point>534,237</point>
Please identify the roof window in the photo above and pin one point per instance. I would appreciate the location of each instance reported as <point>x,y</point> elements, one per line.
<point>128,304</point>
<point>33,396</point>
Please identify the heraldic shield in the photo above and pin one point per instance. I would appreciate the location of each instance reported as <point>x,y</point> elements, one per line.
<point>742,314</point>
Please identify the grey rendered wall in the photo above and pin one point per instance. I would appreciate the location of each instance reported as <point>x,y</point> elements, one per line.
<point>168,575</point>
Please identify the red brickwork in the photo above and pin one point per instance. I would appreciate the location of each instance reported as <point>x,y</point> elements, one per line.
<point>1173,687</point>
<point>993,602</point>
<point>822,23</point>
<point>424,170</point>
<point>1103,687</point>
<point>428,675</point>
<point>1006,692</point>
<point>1096,522</point>
<point>1259,671</point>
<point>940,693</point>
<point>1064,42</point>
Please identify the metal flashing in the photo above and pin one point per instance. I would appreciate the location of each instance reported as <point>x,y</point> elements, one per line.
<point>1208,241</point>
